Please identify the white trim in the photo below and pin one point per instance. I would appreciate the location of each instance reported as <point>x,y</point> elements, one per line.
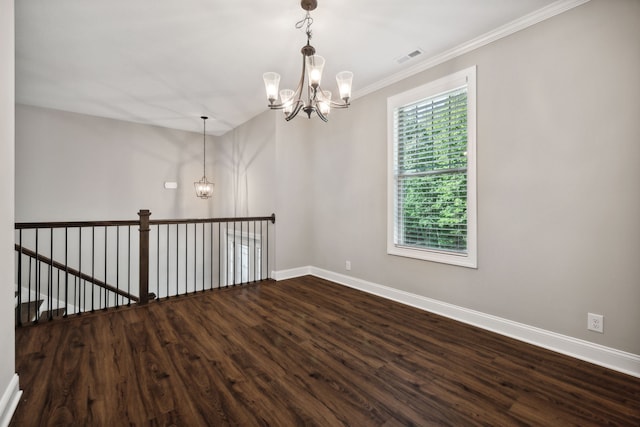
<point>457,80</point>
<point>9,401</point>
<point>526,21</point>
<point>607,357</point>
<point>291,273</point>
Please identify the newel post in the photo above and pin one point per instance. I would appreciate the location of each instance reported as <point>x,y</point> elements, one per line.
<point>144,256</point>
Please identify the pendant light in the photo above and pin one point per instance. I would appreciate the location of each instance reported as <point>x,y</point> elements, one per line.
<point>204,188</point>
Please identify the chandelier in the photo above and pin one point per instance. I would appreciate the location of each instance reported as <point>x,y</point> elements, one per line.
<point>204,188</point>
<point>317,100</point>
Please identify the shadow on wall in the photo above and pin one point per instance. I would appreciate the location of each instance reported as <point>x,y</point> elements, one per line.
<point>238,162</point>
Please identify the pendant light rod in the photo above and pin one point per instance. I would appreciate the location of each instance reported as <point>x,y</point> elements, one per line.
<point>204,143</point>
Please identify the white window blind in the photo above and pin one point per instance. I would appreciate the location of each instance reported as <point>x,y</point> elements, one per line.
<point>431,172</point>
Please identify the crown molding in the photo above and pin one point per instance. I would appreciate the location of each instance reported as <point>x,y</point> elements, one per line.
<point>519,24</point>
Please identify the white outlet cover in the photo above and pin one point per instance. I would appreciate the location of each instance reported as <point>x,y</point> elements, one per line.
<point>595,322</point>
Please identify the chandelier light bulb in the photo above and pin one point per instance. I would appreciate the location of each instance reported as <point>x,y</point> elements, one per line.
<point>315,65</point>
<point>325,102</point>
<point>344,79</point>
<point>286,97</point>
<point>271,83</point>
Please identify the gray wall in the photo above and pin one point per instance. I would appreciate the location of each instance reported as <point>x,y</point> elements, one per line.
<point>7,355</point>
<point>77,167</point>
<point>558,199</point>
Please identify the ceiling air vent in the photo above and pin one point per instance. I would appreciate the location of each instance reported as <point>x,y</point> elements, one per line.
<point>408,56</point>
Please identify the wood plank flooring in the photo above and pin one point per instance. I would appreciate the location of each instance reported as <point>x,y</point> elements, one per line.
<point>302,352</point>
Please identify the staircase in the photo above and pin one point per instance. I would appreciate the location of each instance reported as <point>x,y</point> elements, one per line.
<point>35,310</point>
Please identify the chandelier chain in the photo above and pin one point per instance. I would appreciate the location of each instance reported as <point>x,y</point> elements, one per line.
<point>308,21</point>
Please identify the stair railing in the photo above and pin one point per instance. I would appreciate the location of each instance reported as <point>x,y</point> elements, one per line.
<point>69,268</point>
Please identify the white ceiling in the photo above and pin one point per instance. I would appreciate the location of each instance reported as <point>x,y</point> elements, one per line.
<point>167,62</point>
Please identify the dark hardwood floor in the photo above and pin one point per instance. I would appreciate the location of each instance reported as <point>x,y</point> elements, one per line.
<point>302,352</point>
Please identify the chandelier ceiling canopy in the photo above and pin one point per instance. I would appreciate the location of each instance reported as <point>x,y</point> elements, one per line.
<point>317,101</point>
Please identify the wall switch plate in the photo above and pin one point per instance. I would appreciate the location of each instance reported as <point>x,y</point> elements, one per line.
<point>170,185</point>
<point>347,265</point>
<point>595,322</point>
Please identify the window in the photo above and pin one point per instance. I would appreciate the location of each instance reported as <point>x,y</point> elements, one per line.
<point>432,171</point>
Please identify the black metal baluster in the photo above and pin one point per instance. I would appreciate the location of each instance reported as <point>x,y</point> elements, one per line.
<point>195,257</point>
<point>81,307</point>
<point>37,272</point>
<point>267,260</point>
<point>168,261</point>
<point>75,286</point>
<point>106,302</point>
<point>19,315</point>
<point>93,251</point>
<point>158,262</point>
<point>58,291</point>
<point>250,253</point>
<point>211,255</point>
<point>50,276</point>
<point>118,297</point>
<point>129,264</point>
<point>66,271</point>
<point>29,296</point>
<point>177,258</point>
<point>186,259</point>
<point>203,264</point>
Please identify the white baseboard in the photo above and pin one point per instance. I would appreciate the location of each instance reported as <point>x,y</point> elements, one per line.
<point>291,273</point>
<point>611,358</point>
<point>9,401</point>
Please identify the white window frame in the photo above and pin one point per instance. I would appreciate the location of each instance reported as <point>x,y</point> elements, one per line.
<point>456,80</point>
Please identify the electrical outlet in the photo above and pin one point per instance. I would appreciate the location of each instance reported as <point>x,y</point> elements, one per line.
<point>347,265</point>
<point>595,322</point>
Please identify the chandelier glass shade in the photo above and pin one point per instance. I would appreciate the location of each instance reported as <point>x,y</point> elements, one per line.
<point>204,188</point>
<point>309,97</point>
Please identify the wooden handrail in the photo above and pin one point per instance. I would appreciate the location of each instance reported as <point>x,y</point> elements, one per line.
<point>271,218</point>
<point>78,224</point>
<point>73,224</point>
<point>75,272</point>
